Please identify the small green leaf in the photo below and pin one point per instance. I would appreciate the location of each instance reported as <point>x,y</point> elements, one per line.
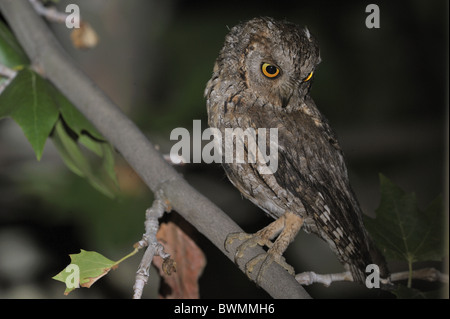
<point>27,99</point>
<point>84,270</point>
<point>11,53</point>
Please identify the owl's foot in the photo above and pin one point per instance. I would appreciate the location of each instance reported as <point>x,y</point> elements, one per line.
<point>285,227</point>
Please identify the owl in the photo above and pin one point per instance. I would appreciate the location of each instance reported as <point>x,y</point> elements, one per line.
<point>262,79</point>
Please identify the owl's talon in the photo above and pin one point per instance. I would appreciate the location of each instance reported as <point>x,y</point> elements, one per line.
<point>251,241</point>
<point>253,262</point>
<point>267,260</point>
<point>233,236</point>
<point>285,227</point>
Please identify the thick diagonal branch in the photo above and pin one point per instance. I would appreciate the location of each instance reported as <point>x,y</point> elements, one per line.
<point>46,53</point>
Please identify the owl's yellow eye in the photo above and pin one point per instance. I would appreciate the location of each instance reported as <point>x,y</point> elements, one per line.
<point>308,77</point>
<point>270,70</point>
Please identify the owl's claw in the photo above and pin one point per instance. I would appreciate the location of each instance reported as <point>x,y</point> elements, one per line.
<point>266,260</point>
<point>233,236</point>
<point>286,226</point>
<point>250,240</point>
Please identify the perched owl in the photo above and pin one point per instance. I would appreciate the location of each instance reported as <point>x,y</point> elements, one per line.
<point>262,79</point>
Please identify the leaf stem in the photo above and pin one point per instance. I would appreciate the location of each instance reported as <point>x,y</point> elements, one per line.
<point>410,272</point>
<point>127,256</point>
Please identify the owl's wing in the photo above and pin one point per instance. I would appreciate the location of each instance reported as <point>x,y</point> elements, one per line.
<point>311,167</point>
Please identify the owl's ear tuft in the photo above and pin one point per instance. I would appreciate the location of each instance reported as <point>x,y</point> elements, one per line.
<point>307,33</point>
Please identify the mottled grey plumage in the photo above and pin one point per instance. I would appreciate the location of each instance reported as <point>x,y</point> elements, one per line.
<point>310,188</point>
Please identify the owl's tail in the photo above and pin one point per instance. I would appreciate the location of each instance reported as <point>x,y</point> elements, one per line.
<point>376,258</point>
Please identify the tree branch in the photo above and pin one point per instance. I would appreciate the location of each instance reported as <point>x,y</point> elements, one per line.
<point>154,248</point>
<point>429,274</point>
<point>50,13</point>
<point>47,55</point>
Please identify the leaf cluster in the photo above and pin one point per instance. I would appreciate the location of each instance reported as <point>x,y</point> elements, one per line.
<point>41,111</point>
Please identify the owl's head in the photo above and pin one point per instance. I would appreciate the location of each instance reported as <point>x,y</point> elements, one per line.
<point>274,60</point>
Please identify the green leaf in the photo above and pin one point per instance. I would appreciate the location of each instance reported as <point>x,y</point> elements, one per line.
<point>109,163</point>
<point>103,177</point>
<point>35,104</point>
<point>27,99</point>
<point>83,165</point>
<point>11,53</point>
<point>91,144</point>
<point>84,270</point>
<point>70,151</point>
<point>73,118</point>
<point>402,230</point>
<point>431,247</point>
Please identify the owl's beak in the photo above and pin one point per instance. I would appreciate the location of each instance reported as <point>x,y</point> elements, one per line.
<point>285,101</point>
<point>285,96</point>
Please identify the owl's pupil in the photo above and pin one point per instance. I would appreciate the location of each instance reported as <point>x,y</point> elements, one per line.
<point>271,69</point>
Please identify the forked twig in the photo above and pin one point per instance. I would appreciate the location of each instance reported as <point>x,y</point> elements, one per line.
<point>149,240</point>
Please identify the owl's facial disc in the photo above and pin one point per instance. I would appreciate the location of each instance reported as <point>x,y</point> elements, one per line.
<point>269,75</point>
<point>277,62</point>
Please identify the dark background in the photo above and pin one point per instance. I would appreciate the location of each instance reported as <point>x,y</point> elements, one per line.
<point>383,90</point>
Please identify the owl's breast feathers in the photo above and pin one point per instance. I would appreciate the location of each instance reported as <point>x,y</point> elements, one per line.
<point>311,180</point>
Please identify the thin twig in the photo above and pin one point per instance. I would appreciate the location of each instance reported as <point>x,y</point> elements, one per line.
<point>7,73</point>
<point>50,13</point>
<point>149,240</point>
<point>175,159</point>
<point>430,274</point>
<point>309,277</point>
